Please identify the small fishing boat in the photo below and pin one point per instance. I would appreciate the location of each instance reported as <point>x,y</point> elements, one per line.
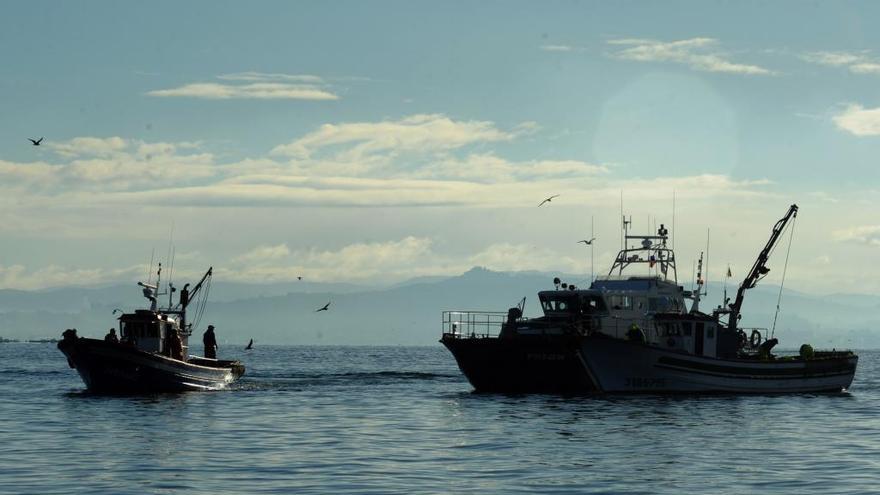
<point>151,355</point>
<point>635,334</point>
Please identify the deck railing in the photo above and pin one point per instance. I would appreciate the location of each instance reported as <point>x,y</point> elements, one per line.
<point>473,324</point>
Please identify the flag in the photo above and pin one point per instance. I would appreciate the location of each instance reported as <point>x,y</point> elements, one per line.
<point>729,273</point>
<point>651,261</point>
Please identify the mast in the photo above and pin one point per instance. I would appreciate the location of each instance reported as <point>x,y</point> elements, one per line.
<point>187,296</point>
<point>759,269</point>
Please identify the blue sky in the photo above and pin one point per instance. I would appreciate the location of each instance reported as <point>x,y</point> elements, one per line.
<point>372,142</point>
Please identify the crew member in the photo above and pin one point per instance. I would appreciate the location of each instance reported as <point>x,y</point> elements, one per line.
<point>111,337</point>
<point>210,341</point>
<point>175,345</point>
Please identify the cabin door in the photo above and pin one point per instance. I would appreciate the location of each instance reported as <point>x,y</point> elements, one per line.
<point>698,339</point>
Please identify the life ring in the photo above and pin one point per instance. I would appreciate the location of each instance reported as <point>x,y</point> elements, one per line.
<point>741,337</point>
<point>755,338</point>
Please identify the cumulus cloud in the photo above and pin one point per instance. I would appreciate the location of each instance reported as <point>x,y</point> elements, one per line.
<point>865,234</point>
<point>20,277</point>
<point>700,54</point>
<point>261,254</point>
<point>111,164</point>
<point>395,260</point>
<point>859,120</point>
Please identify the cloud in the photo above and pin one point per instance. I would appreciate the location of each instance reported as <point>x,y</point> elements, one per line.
<point>866,234</point>
<point>263,254</point>
<point>557,48</point>
<point>859,62</point>
<point>89,146</point>
<point>259,91</point>
<point>113,163</point>
<point>421,132</point>
<point>697,53</point>
<point>859,120</point>
<point>20,277</point>
<point>268,76</point>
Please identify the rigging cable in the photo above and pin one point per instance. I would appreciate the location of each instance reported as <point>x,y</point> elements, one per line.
<point>782,284</point>
<point>203,302</point>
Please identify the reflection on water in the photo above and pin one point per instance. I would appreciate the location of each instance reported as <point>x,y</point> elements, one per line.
<point>404,420</point>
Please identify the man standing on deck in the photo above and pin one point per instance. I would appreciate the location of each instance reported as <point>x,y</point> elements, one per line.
<point>210,341</point>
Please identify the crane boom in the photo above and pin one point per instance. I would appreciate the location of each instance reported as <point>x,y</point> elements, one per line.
<point>759,269</point>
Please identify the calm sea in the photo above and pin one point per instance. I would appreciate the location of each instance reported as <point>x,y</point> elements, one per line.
<point>404,420</point>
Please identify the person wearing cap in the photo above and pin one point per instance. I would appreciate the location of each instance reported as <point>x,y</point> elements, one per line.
<point>210,341</point>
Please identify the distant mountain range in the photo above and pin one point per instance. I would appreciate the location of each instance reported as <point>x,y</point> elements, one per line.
<point>406,313</point>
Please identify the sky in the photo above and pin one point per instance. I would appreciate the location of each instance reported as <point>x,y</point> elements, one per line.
<point>372,142</point>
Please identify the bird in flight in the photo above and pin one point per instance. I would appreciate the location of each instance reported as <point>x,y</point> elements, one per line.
<point>325,308</point>
<point>588,242</point>
<point>299,278</point>
<point>35,142</point>
<point>548,199</point>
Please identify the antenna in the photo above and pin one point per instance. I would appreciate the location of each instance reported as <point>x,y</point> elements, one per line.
<point>592,257</point>
<point>673,220</point>
<point>706,279</point>
<point>624,221</point>
<point>150,269</point>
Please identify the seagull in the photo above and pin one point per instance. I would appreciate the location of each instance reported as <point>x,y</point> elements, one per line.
<point>324,308</point>
<point>548,199</point>
<point>588,242</point>
<point>299,278</point>
<point>36,142</point>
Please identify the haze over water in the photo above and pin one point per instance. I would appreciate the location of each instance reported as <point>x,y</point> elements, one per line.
<point>404,420</point>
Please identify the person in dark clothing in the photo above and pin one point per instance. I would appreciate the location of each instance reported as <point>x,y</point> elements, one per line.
<point>184,296</point>
<point>175,345</point>
<point>210,341</point>
<point>111,337</point>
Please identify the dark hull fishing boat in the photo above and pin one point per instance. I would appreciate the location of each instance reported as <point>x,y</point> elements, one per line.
<point>634,334</point>
<point>151,355</point>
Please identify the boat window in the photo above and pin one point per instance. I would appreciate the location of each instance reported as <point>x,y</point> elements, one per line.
<point>556,305</point>
<point>660,304</point>
<point>592,304</point>
<point>621,302</point>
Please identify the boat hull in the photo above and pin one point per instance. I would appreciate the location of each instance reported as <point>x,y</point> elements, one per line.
<point>113,368</point>
<point>599,364</point>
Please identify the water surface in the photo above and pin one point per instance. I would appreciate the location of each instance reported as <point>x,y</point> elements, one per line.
<point>404,420</point>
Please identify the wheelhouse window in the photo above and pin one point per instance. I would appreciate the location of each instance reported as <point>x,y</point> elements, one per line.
<point>621,302</point>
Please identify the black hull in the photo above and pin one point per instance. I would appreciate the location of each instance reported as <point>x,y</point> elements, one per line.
<point>523,365</point>
<point>571,364</point>
<point>109,368</point>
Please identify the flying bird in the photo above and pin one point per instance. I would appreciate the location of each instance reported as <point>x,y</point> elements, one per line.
<point>299,278</point>
<point>35,142</point>
<point>324,308</point>
<point>588,242</point>
<point>548,199</point>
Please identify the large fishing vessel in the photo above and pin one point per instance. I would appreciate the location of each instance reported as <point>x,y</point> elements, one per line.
<point>150,354</point>
<point>636,334</point>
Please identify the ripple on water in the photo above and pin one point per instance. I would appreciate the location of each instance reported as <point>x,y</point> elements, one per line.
<point>404,420</point>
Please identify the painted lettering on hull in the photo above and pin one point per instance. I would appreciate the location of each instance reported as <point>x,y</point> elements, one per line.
<point>644,382</point>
